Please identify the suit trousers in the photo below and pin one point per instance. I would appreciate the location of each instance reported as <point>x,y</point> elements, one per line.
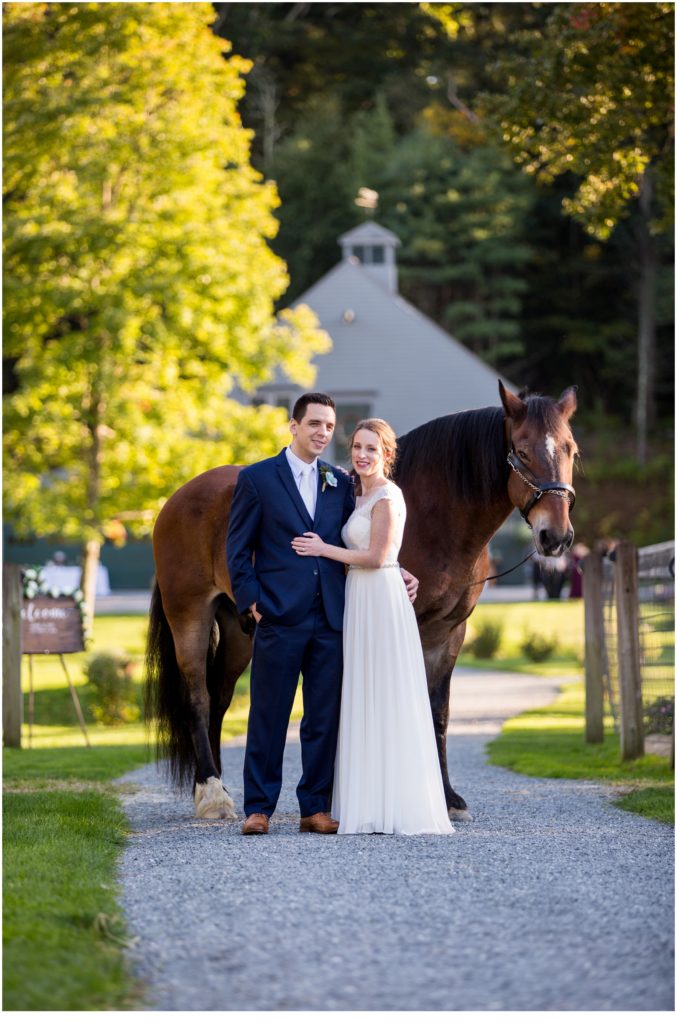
<point>281,654</point>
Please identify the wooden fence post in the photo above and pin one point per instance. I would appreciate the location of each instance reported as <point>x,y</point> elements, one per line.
<point>629,676</point>
<point>12,700</point>
<point>594,645</point>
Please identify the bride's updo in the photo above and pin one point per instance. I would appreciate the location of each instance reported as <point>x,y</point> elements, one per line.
<point>386,436</point>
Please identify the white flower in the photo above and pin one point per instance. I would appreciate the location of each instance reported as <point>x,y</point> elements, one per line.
<point>78,595</point>
<point>327,477</point>
<point>54,592</point>
<point>30,574</point>
<point>31,591</point>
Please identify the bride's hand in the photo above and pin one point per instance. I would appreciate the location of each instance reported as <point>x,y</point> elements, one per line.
<point>309,544</point>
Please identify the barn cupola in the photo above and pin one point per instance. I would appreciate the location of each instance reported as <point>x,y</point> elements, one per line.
<point>374,248</point>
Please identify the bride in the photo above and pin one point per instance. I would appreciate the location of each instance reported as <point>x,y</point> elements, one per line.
<point>387,776</point>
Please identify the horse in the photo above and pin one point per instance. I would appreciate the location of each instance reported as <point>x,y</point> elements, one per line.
<point>461,476</point>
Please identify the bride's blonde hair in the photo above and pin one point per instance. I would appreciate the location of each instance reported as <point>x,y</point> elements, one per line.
<point>386,436</point>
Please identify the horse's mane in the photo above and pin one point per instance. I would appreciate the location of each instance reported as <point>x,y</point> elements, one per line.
<point>467,449</point>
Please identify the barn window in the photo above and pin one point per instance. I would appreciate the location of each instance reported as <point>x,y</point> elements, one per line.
<point>370,253</point>
<point>347,415</point>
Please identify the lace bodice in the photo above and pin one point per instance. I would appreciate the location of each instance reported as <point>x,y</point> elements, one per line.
<point>357,531</point>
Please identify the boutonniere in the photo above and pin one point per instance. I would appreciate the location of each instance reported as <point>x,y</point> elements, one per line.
<point>327,477</point>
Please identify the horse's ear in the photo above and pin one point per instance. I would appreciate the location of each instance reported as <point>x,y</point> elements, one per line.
<point>567,402</point>
<point>515,408</point>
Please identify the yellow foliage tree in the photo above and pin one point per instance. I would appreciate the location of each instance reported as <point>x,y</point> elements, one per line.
<point>139,283</point>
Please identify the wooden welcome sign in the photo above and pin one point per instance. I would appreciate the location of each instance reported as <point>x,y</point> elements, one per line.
<point>51,625</point>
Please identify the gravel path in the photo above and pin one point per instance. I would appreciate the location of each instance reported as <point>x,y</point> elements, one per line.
<point>550,899</point>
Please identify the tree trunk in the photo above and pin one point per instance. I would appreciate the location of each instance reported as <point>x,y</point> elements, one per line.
<point>646,332</point>
<point>12,699</point>
<point>91,550</point>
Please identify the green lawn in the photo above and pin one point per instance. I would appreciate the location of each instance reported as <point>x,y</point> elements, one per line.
<point>64,829</point>
<point>63,933</point>
<point>63,832</point>
<point>561,620</point>
<point>549,743</point>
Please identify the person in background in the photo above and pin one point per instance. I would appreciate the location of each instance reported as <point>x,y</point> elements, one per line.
<point>576,556</point>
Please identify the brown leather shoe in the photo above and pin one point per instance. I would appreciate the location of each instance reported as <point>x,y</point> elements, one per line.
<point>255,825</point>
<point>320,822</point>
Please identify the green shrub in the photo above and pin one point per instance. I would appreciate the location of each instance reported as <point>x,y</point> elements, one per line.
<point>537,647</point>
<point>114,701</point>
<point>659,716</point>
<point>487,639</point>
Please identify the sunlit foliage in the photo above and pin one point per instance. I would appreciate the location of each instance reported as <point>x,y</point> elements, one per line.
<point>139,282</point>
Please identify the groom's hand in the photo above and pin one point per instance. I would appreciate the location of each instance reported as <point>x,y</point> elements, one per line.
<point>411,583</point>
<point>252,609</point>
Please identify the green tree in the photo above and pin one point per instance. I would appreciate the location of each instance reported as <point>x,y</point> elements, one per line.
<point>592,93</point>
<point>446,67</point>
<point>457,207</point>
<point>307,54</point>
<point>459,212</point>
<point>579,315</point>
<point>312,168</point>
<point>372,146</point>
<point>139,283</point>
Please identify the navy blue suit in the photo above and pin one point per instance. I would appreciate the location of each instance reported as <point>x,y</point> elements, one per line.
<point>301,602</point>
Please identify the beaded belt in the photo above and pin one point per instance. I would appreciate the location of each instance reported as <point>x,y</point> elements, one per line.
<point>388,565</point>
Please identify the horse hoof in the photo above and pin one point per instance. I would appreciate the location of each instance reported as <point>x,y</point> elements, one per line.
<point>456,814</point>
<point>213,802</point>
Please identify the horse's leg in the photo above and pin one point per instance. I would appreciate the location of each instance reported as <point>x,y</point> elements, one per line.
<point>440,663</point>
<point>191,629</point>
<point>231,658</point>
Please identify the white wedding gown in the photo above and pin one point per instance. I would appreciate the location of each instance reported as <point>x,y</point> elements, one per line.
<point>387,774</point>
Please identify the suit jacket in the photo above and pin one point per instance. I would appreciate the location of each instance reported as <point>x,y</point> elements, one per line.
<point>266,514</point>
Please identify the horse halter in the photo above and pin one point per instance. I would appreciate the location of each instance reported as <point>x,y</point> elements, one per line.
<point>538,487</point>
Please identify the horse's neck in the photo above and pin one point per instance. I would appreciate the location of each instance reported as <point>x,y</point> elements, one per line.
<point>475,525</point>
<point>459,526</point>
<point>458,529</point>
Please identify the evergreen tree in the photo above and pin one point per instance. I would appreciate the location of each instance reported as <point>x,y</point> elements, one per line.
<point>313,170</point>
<point>460,215</point>
<point>455,69</point>
<point>310,54</point>
<point>372,147</point>
<point>594,95</point>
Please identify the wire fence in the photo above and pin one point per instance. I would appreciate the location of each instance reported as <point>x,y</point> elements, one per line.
<point>610,648</point>
<point>656,617</point>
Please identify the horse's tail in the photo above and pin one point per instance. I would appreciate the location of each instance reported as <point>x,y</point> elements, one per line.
<point>166,697</point>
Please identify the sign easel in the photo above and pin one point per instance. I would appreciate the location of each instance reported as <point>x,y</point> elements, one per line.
<point>51,625</point>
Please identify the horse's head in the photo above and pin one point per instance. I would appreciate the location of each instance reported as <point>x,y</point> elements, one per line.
<point>541,452</point>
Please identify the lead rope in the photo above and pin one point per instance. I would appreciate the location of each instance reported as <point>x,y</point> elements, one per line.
<point>499,574</point>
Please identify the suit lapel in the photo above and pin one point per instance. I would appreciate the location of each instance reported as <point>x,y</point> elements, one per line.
<point>323,497</point>
<point>287,477</point>
<point>319,498</point>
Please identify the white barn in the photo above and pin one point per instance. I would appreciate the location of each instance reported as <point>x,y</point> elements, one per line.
<point>388,359</point>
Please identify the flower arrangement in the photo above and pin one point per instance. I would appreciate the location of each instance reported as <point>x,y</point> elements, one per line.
<point>34,585</point>
<point>327,477</point>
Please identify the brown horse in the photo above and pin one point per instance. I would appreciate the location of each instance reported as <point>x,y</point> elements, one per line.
<point>461,476</point>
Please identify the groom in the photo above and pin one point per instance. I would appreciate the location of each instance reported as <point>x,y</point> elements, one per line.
<point>298,607</point>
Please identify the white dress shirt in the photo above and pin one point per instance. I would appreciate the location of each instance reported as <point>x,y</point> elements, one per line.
<point>305,476</point>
